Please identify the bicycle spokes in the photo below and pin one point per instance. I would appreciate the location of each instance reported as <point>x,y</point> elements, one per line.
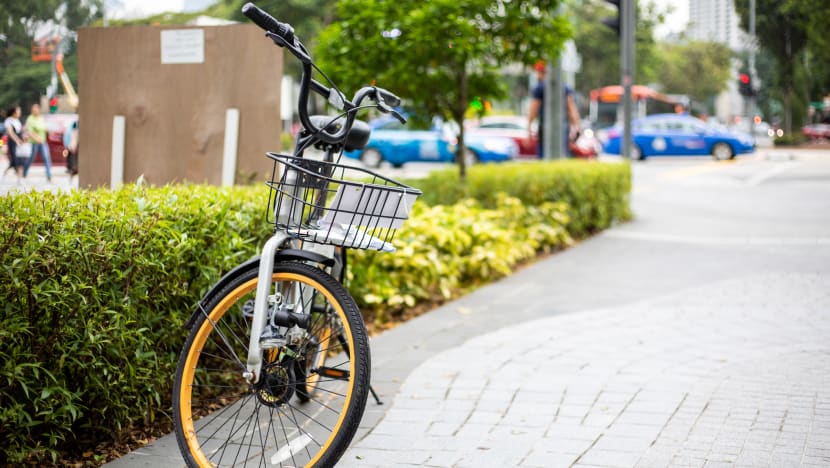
<point>294,412</point>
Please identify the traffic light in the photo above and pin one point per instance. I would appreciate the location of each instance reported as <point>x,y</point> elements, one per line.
<point>745,85</point>
<point>53,105</point>
<point>615,21</point>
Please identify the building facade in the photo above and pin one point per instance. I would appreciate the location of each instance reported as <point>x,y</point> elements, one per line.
<point>717,21</point>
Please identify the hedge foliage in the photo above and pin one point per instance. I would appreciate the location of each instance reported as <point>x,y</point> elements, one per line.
<point>596,193</point>
<point>96,285</point>
<point>94,288</point>
<point>446,248</point>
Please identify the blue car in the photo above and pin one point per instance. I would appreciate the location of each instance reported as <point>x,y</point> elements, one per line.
<point>679,135</point>
<point>398,143</point>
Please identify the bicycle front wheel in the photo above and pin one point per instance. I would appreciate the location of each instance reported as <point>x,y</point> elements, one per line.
<point>307,404</point>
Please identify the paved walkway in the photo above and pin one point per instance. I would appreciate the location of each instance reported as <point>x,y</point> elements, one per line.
<point>36,179</point>
<point>722,375</point>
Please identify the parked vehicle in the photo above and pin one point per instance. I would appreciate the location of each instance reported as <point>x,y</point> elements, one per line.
<point>762,131</point>
<point>679,135</point>
<point>513,127</point>
<point>276,367</point>
<point>816,131</point>
<point>56,125</point>
<point>398,143</point>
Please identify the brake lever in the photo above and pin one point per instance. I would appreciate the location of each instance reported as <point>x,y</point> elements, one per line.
<point>280,41</point>
<point>388,97</point>
<point>398,116</point>
<point>384,107</point>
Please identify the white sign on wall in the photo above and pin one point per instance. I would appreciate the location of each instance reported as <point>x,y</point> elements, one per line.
<point>183,46</point>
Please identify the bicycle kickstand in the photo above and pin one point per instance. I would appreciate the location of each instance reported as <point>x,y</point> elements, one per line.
<point>375,395</point>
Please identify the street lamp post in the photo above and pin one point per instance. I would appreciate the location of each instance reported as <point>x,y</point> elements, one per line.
<point>628,13</point>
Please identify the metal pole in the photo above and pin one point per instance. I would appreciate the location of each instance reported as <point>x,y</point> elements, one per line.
<point>554,114</point>
<point>546,130</point>
<point>628,13</point>
<point>753,80</point>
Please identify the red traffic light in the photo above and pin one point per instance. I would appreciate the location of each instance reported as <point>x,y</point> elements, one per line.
<point>744,78</point>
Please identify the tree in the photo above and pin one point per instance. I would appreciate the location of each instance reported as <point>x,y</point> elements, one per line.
<point>439,54</point>
<point>599,46</point>
<point>22,81</point>
<point>683,65</point>
<point>780,28</point>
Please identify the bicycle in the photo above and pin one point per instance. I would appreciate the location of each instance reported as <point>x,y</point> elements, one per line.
<point>276,367</point>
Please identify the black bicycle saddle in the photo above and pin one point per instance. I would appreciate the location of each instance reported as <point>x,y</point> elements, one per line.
<point>358,135</point>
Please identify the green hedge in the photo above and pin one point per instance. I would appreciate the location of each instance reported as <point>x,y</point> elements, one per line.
<point>96,285</point>
<point>447,248</point>
<point>596,193</point>
<point>95,288</point>
<point>791,139</point>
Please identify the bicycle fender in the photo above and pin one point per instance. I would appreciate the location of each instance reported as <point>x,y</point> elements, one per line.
<point>285,255</point>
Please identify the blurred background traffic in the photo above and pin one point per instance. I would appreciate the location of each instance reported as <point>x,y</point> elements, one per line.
<point>704,84</point>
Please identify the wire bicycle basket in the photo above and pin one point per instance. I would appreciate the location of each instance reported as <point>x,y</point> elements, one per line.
<point>332,203</point>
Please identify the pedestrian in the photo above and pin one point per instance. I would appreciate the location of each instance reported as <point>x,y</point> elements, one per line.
<point>36,131</point>
<point>70,151</point>
<point>14,131</point>
<point>572,122</point>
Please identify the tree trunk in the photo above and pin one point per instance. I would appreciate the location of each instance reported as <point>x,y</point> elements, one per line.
<point>458,115</point>
<point>788,106</point>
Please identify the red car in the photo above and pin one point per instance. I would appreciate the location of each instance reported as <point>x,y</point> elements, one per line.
<point>507,126</point>
<point>586,146</point>
<point>816,131</point>
<point>56,125</point>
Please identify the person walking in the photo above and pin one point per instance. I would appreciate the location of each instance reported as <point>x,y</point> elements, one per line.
<point>36,131</point>
<point>14,130</point>
<point>70,152</point>
<point>572,121</point>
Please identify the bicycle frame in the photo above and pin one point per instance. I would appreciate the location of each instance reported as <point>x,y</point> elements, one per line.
<point>261,302</point>
<point>333,140</point>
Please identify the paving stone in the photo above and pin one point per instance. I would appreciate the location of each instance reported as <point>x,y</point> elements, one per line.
<point>623,444</point>
<point>610,458</point>
<point>543,459</point>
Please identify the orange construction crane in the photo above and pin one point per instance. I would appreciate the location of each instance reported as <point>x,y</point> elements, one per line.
<point>67,85</point>
<point>51,49</point>
<point>44,49</point>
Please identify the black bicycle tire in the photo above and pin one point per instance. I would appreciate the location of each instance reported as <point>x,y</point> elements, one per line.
<point>337,443</point>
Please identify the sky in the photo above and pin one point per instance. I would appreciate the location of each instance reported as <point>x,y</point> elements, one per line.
<point>676,20</point>
<point>126,9</point>
<point>129,9</point>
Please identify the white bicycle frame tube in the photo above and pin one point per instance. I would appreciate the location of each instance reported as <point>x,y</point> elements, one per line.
<point>260,319</point>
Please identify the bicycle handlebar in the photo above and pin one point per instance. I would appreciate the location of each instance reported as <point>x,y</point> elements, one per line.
<point>268,23</point>
<point>283,35</point>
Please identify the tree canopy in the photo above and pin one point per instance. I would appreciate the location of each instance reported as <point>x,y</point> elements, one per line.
<point>440,54</point>
<point>22,81</point>
<point>781,28</point>
<point>686,63</point>
<point>599,46</point>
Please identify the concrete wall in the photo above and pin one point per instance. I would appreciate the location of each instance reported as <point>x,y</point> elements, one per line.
<point>175,112</point>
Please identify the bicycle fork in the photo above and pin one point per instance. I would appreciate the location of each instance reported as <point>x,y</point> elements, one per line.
<point>260,314</point>
<point>260,318</point>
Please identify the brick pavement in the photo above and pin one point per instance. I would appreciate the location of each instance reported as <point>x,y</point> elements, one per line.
<point>733,373</point>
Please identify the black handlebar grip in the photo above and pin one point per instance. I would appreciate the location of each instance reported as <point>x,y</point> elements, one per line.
<point>268,23</point>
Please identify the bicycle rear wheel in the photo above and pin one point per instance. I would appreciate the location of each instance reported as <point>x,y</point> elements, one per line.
<point>306,406</point>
